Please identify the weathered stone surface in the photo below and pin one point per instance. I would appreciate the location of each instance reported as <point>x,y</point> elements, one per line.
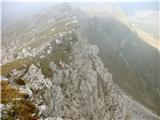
<point>81,90</point>
<point>50,118</point>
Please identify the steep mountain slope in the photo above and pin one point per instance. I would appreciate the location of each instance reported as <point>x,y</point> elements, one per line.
<point>81,89</point>
<point>47,48</point>
<point>133,63</point>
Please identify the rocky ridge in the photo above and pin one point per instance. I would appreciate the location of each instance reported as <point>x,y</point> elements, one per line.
<point>80,90</point>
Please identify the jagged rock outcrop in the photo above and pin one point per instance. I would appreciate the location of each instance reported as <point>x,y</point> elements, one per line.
<point>81,90</point>
<point>84,87</point>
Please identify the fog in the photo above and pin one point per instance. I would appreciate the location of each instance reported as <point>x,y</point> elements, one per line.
<point>12,11</point>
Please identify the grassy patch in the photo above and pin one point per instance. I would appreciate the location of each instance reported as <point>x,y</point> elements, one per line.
<point>21,108</point>
<point>24,110</point>
<point>61,53</point>
<point>16,64</point>
<point>8,93</point>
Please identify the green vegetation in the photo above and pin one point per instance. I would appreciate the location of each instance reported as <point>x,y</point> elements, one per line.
<point>8,93</point>
<point>16,64</point>
<point>61,53</point>
<point>21,108</point>
<point>24,109</point>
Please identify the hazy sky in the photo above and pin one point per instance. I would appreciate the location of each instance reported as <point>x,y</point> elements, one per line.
<point>133,7</point>
<point>14,10</point>
<point>80,0</point>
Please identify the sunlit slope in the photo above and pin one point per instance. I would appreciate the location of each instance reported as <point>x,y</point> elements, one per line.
<point>145,24</point>
<point>147,21</point>
<point>154,42</point>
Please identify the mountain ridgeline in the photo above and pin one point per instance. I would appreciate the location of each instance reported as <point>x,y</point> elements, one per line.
<point>82,64</point>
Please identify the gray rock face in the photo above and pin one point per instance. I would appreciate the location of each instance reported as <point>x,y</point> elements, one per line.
<point>81,90</point>
<point>89,86</point>
<point>50,118</point>
<point>42,90</point>
<point>84,90</point>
